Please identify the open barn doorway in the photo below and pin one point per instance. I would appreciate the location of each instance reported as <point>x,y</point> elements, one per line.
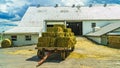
<point>76,27</point>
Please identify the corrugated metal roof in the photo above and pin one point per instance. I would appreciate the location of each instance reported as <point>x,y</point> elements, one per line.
<point>23,30</point>
<point>105,29</point>
<point>114,33</point>
<point>35,16</point>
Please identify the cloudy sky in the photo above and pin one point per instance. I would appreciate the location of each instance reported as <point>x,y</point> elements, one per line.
<point>13,10</point>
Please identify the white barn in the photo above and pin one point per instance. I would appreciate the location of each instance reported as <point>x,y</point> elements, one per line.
<point>94,22</point>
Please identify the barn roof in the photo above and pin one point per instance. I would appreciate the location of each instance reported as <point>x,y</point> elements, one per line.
<point>35,16</point>
<point>105,29</point>
<point>22,30</point>
<point>114,33</point>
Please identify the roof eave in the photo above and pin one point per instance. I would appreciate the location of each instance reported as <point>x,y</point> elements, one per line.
<point>22,33</point>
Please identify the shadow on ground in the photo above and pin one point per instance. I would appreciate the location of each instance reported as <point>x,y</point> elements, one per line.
<point>33,58</point>
<point>52,58</point>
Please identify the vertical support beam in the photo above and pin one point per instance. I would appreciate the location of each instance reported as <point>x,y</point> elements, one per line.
<point>65,23</point>
<point>45,25</point>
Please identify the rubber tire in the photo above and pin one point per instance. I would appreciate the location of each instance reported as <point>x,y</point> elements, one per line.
<point>64,54</point>
<point>40,54</point>
<point>72,49</point>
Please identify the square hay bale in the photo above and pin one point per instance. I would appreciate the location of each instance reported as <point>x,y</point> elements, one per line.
<point>52,40</point>
<point>72,34</point>
<point>46,42</point>
<point>52,44</point>
<point>54,29</point>
<point>62,42</point>
<point>114,39</point>
<point>114,45</point>
<point>59,34</point>
<point>67,30</point>
<point>48,34</point>
<point>60,25</point>
<point>43,39</point>
<point>73,40</point>
<point>65,42</point>
<point>68,34</point>
<point>43,44</point>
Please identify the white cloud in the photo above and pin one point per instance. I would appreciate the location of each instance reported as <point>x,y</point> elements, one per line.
<point>71,2</point>
<point>17,17</point>
<point>4,20</point>
<point>3,8</point>
<point>19,3</point>
<point>11,5</point>
<point>8,21</point>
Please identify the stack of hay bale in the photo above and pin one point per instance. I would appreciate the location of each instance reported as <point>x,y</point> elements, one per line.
<point>57,36</point>
<point>114,41</point>
<point>6,43</point>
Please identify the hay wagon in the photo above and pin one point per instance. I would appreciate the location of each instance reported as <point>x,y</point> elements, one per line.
<point>57,39</point>
<point>64,51</point>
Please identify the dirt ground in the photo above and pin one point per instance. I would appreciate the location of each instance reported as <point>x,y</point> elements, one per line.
<point>86,55</point>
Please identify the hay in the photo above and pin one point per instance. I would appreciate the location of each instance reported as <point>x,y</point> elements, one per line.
<point>64,42</point>
<point>91,50</point>
<point>114,41</point>
<point>67,30</point>
<point>46,42</point>
<point>22,52</point>
<point>114,45</point>
<point>48,34</point>
<point>43,44</point>
<point>59,34</point>
<point>42,39</point>
<point>53,34</point>
<point>54,29</point>
<point>72,34</point>
<point>6,43</point>
<point>68,34</point>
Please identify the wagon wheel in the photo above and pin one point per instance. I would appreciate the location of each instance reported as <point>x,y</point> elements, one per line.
<point>72,48</point>
<point>40,54</point>
<point>64,54</point>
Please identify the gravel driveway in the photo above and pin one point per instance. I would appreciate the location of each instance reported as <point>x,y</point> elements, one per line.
<point>82,57</point>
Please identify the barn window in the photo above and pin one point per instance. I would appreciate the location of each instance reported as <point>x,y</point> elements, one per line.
<point>28,37</point>
<point>93,25</point>
<point>14,38</point>
<point>49,25</point>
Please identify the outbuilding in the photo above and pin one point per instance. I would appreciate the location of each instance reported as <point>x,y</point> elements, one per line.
<point>23,35</point>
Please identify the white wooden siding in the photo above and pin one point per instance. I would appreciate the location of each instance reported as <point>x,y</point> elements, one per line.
<point>96,39</point>
<point>87,25</point>
<point>21,39</point>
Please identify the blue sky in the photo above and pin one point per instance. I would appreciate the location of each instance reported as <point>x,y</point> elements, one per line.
<point>13,10</point>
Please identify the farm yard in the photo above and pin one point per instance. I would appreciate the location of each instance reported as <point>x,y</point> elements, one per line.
<point>86,55</point>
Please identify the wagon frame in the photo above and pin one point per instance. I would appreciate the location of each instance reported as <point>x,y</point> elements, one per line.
<point>64,51</point>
